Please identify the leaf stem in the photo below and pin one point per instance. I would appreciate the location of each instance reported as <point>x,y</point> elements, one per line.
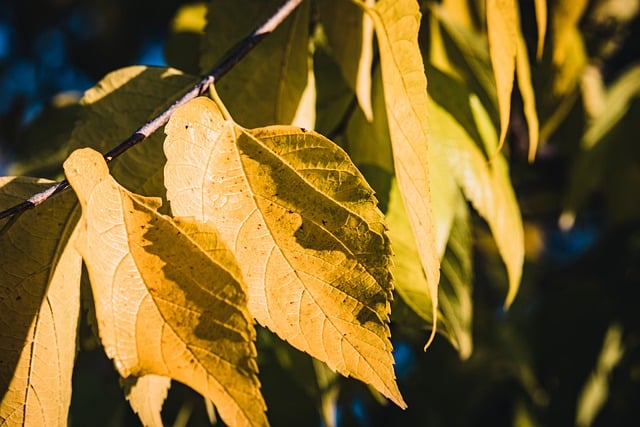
<point>233,56</point>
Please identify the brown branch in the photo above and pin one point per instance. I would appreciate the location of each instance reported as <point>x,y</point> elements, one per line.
<point>232,57</point>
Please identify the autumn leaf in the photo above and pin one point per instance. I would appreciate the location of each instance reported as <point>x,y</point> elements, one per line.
<point>39,307</point>
<point>146,395</point>
<point>267,86</point>
<point>405,89</point>
<point>304,223</point>
<point>117,106</point>
<point>470,134</point>
<point>349,33</point>
<point>168,294</point>
<point>502,29</point>
<point>454,291</point>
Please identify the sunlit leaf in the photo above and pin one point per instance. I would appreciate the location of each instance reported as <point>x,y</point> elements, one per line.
<point>487,185</point>
<point>523,73</point>
<point>405,90</point>
<point>117,106</point>
<point>541,21</point>
<point>350,36</point>
<point>503,28</point>
<point>300,216</point>
<point>146,395</point>
<point>266,87</point>
<point>39,307</point>
<point>454,292</point>
<point>168,294</point>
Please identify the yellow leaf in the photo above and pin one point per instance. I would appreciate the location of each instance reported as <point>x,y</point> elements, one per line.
<point>523,73</point>
<point>405,89</point>
<point>266,86</point>
<point>146,395</point>
<point>169,297</point>
<point>350,36</point>
<point>39,307</point>
<point>502,28</point>
<point>541,20</point>
<point>304,222</point>
<point>467,134</point>
<point>117,106</point>
<point>454,293</point>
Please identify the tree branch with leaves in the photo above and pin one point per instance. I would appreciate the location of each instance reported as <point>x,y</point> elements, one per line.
<point>242,212</point>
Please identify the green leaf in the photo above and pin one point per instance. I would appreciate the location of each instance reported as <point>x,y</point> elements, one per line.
<point>39,307</point>
<point>502,29</point>
<point>118,105</point>
<point>350,36</point>
<point>405,89</point>
<point>266,86</point>
<point>304,222</point>
<point>168,294</point>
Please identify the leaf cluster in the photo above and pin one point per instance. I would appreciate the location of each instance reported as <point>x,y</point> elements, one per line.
<point>335,173</point>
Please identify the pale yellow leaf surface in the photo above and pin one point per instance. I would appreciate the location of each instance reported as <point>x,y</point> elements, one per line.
<point>350,35</point>
<point>39,307</point>
<point>168,295</point>
<point>502,29</point>
<point>405,89</point>
<point>303,222</point>
<point>146,395</point>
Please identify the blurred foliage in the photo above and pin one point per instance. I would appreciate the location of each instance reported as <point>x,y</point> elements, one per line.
<point>536,364</point>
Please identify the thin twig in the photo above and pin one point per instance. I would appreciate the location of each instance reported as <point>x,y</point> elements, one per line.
<point>234,56</point>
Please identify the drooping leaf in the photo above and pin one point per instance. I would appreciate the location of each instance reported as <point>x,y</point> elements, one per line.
<point>39,307</point>
<point>523,73</point>
<point>502,29</point>
<point>456,282</point>
<point>146,395</point>
<point>541,21</point>
<point>266,86</point>
<point>467,52</point>
<point>498,206</point>
<point>454,292</point>
<point>118,105</point>
<point>350,35</point>
<point>168,294</point>
<point>300,216</point>
<point>405,89</point>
